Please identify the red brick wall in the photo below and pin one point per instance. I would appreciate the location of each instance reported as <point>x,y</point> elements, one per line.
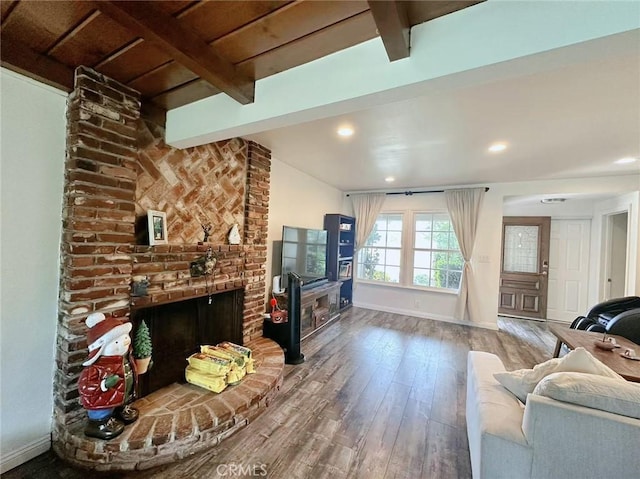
<point>99,254</point>
<point>194,186</point>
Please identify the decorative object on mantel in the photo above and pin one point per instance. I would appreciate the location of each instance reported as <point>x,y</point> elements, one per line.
<point>139,286</point>
<point>142,348</point>
<point>157,223</point>
<point>234,234</point>
<point>215,367</point>
<point>206,229</point>
<point>107,383</point>
<point>204,265</point>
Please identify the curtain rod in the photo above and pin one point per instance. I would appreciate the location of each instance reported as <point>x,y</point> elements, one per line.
<point>410,193</point>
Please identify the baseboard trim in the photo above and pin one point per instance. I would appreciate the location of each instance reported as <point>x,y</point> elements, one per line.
<point>539,320</point>
<point>25,453</point>
<point>421,314</point>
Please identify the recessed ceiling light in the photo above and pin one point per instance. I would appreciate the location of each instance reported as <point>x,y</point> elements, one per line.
<point>624,161</point>
<point>389,179</point>
<point>496,147</point>
<point>549,201</point>
<point>345,131</point>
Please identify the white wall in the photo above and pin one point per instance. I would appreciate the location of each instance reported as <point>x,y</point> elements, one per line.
<point>486,258</point>
<point>296,199</point>
<point>33,151</point>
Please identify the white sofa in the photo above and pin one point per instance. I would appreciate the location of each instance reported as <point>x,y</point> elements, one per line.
<point>546,438</point>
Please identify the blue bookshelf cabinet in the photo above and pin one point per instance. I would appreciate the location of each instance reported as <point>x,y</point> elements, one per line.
<point>341,231</point>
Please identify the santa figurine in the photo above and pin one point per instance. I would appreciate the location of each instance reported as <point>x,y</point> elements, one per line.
<point>107,383</point>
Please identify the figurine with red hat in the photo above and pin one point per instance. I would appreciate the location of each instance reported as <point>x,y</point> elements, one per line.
<point>107,383</point>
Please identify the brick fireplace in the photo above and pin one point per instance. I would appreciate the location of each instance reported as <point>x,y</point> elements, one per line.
<point>117,167</point>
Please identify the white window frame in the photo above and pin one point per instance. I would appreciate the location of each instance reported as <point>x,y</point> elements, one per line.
<point>407,250</point>
<point>402,266</point>
<point>410,254</point>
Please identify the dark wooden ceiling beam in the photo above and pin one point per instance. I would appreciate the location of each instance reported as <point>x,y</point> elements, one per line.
<point>183,45</point>
<point>187,93</point>
<point>6,8</point>
<point>392,21</point>
<point>120,51</point>
<point>61,41</point>
<point>20,58</point>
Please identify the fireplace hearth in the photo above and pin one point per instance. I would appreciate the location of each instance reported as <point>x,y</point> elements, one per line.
<point>180,419</point>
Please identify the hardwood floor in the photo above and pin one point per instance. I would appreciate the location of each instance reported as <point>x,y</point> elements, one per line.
<point>380,396</point>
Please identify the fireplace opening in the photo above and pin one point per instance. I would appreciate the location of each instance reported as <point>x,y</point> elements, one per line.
<point>178,329</point>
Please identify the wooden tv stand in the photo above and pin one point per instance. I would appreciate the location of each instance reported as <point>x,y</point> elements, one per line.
<point>319,305</point>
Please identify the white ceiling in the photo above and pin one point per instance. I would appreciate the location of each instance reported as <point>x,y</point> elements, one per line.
<point>559,121</point>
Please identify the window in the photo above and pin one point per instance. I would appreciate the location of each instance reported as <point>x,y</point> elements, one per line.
<point>379,258</point>
<point>426,255</point>
<point>437,262</point>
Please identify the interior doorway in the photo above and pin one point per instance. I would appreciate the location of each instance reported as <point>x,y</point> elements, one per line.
<point>615,267</point>
<point>524,266</point>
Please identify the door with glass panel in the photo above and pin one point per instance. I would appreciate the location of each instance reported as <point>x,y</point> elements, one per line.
<point>524,266</point>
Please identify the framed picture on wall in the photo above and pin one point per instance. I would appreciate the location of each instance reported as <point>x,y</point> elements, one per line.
<point>157,221</point>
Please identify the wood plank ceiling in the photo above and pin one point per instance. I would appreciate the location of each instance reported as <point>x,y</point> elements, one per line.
<point>177,52</point>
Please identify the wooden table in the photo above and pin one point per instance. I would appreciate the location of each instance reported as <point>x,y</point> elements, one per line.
<point>574,338</point>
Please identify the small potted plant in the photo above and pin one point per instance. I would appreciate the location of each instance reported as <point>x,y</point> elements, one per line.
<point>142,348</point>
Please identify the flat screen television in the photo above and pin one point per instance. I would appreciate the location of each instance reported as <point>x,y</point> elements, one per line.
<point>304,251</point>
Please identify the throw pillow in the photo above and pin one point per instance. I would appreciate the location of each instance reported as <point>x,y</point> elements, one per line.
<point>596,392</point>
<point>524,381</point>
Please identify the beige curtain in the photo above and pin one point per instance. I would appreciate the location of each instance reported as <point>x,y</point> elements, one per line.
<point>464,209</point>
<point>366,208</point>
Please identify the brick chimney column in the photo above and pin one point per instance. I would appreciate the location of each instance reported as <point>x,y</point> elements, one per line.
<point>98,222</point>
<point>255,234</point>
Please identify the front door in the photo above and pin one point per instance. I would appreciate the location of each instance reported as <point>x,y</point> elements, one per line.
<point>524,266</point>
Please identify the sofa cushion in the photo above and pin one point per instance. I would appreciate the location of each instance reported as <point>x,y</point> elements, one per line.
<point>523,381</point>
<point>497,446</point>
<point>500,410</point>
<point>589,390</point>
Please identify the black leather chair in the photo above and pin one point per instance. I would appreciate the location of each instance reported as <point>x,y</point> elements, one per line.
<point>620,316</point>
